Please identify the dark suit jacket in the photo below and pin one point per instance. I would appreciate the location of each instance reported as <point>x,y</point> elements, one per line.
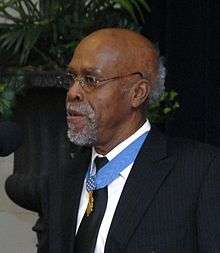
<point>170,202</point>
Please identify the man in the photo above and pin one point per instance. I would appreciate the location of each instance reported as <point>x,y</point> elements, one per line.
<point>152,193</point>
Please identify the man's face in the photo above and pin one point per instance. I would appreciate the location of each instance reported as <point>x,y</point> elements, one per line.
<point>96,114</point>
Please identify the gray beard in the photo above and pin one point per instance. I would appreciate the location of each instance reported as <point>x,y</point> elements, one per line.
<point>88,135</point>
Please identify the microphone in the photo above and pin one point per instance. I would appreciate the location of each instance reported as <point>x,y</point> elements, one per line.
<point>11,137</point>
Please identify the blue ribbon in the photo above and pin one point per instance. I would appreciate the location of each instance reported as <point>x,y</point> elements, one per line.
<point>112,169</point>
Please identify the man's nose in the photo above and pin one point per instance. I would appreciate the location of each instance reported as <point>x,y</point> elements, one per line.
<point>75,92</point>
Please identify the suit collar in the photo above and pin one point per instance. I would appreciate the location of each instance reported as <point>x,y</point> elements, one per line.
<point>150,169</point>
<point>72,193</point>
<point>64,217</point>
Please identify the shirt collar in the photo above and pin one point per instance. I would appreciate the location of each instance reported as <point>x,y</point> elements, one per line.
<point>116,150</point>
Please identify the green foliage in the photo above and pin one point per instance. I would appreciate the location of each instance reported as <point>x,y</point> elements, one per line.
<point>129,7</point>
<point>164,107</point>
<point>46,37</point>
<point>22,30</point>
<point>10,87</point>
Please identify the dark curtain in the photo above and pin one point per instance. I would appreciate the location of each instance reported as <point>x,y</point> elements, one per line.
<point>187,32</point>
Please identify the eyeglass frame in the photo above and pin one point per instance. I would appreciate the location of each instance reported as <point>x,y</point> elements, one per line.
<point>97,83</point>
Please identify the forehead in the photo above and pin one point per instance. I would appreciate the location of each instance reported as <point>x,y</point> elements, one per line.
<point>98,56</point>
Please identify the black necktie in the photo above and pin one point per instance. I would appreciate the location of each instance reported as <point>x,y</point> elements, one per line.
<point>86,236</point>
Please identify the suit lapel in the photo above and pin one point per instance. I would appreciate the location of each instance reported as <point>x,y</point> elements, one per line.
<point>151,167</point>
<point>70,187</point>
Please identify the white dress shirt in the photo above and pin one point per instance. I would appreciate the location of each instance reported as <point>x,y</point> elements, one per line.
<point>114,189</point>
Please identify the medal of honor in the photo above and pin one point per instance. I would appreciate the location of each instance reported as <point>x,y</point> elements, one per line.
<point>90,205</point>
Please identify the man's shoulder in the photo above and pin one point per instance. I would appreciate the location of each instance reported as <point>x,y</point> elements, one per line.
<point>189,159</point>
<point>190,146</point>
<point>194,155</point>
<point>185,148</point>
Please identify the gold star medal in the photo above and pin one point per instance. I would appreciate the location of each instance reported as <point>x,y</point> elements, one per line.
<point>90,205</point>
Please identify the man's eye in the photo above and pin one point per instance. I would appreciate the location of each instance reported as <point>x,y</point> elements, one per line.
<point>71,76</point>
<point>90,80</point>
<point>64,79</point>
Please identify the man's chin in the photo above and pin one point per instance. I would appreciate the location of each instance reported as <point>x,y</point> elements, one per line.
<point>80,137</point>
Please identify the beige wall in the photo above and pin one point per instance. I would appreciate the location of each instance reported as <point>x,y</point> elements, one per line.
<point>16,235</point>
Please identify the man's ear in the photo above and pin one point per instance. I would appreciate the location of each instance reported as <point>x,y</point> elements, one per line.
<point>140,92</point>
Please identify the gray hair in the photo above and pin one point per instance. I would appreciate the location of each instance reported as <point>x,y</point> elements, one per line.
<point>158,86</point>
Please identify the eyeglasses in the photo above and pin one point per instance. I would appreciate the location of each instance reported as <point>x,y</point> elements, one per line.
<point>88,82</point>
